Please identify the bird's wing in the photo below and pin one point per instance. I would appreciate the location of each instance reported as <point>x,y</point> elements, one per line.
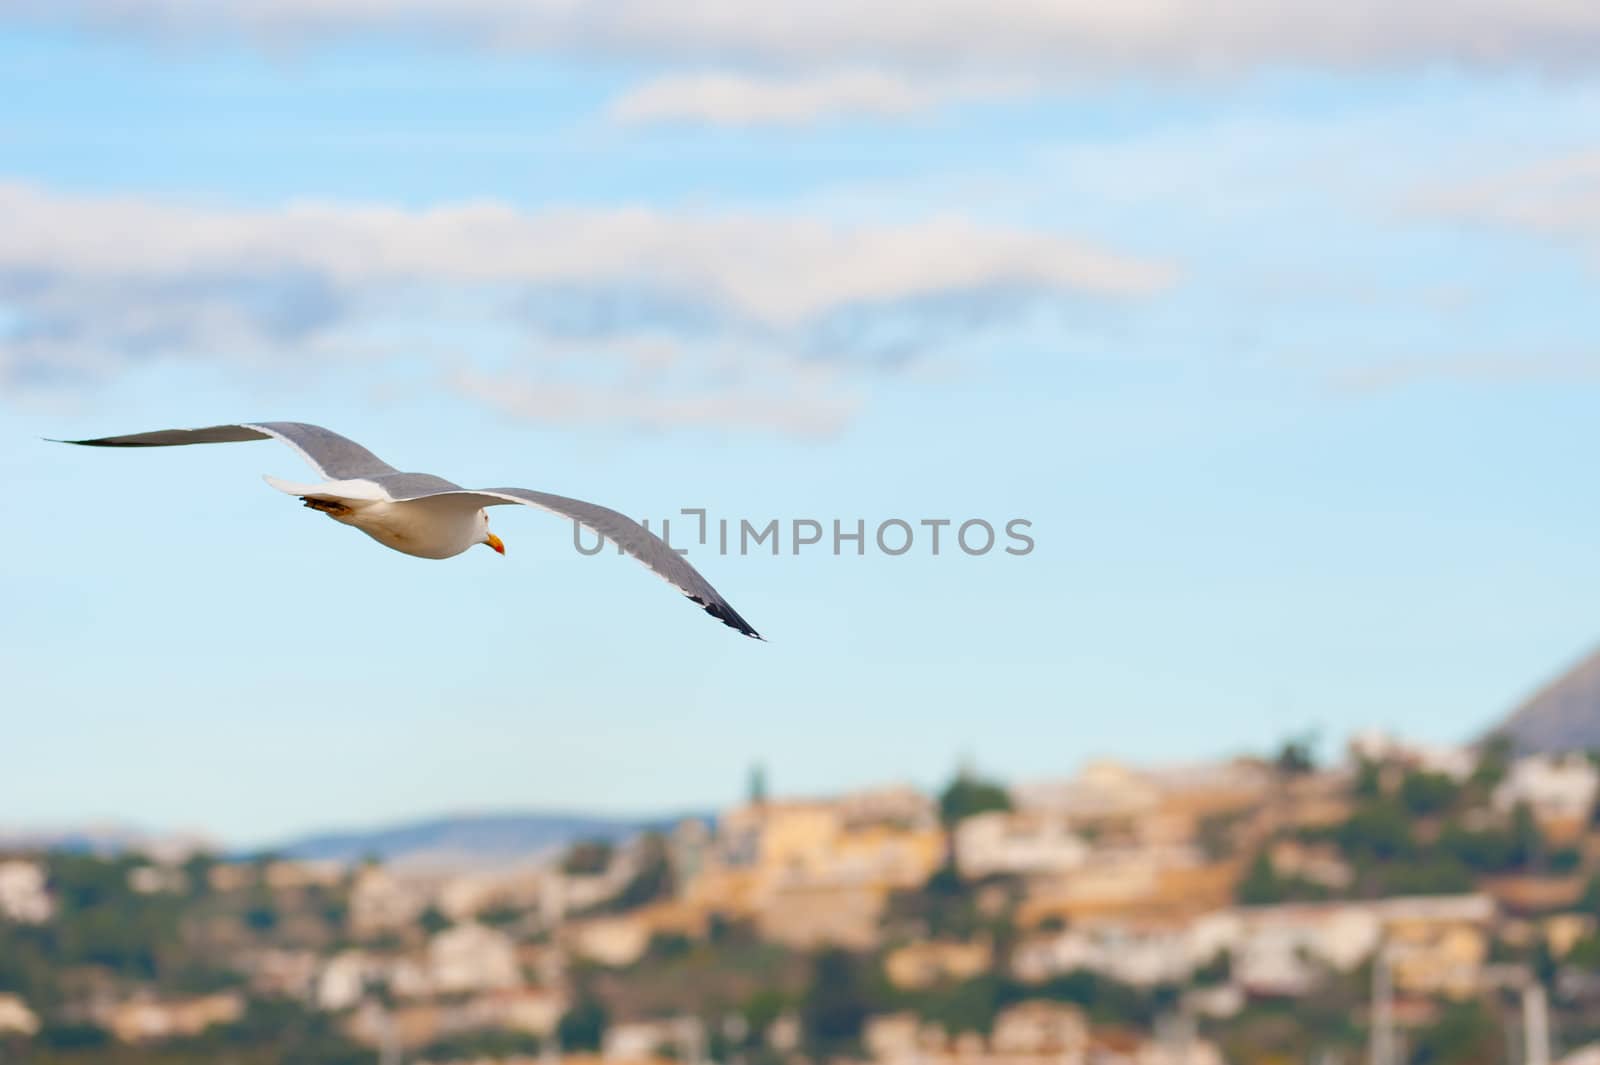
<point>623,531</point>
<point>339,459</point>
<point>333,456</point>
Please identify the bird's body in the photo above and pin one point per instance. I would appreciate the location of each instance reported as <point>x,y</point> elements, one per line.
<point>426,516</point>
<point>420,529</point>
<point>430,527</point>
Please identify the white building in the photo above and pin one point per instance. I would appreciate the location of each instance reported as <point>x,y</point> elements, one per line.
<point>1040,1029</point>
<point>900,804</point>
<point>1279,949</point>
<point>381,902</point>
<point>1139,955</point>
<point>1556,787</point>
<point>1172,1052</point>
<point>473,957</point>
<point>343,980</point>
<point>1374,745</point>
<point>1100,789</point>
<point>24,897</point>
<point>645,1040</point>
<point>1022,842</point>
<point>152,879</point>
<point>15,1016</point>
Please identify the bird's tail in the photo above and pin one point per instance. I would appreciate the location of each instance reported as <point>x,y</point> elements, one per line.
<point>354,491</point>
<point>290,488</point>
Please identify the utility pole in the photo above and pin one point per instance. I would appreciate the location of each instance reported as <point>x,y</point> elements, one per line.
<point>1382,1048</point>
<point>389,1042</point>
<point>1175,1032</point>
<point>1535,1024</point>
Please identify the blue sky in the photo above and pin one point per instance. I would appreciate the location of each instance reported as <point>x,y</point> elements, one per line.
<point>1279,331</point>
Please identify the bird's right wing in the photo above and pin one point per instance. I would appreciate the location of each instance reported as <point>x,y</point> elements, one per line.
<point>633,538</point>
<point>333,456</point>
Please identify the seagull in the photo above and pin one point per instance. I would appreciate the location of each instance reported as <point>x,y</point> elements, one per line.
<point>427,516</point>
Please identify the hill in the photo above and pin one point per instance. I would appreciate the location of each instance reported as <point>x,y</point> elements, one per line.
<point>1564,715</point>
<point>467,840</point>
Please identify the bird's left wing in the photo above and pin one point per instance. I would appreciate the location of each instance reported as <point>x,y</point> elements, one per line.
<point>633,538</point>
<point>335,457</point>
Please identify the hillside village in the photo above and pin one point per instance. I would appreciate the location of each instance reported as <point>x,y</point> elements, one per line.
<point>1404,904</point>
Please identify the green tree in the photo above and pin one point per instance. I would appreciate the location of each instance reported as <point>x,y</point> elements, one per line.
<point>288,1030</point>
<point>102,921</point>
<point>967,795</point>
<point>1377,832</point>
<point>1423,793</point>
<point>1590,901</point>
<point>1259,886</point>
<point>666,946</point>
<point>652,880</point>
<point>1431,874</point>
<point>1494,759</point>
<point>761,1009</point>
<point>1585,953</point>
<point>587,857</point>
<point>482,1045</point>
<point>1262,886</point>
<point>1487,850</point>
<point>1106,1000</point>
<point>262,914</point>
<point>1296,757</point>
<point>1527,842</point>
<point>1465,1034</point>
<point>1369,779</point>
<point>197,872</point>
<point>945,906</point>
<point>969,1006</point>
<point>837,1002</point>
<point>1219,970</point>
<point>583,1026</point>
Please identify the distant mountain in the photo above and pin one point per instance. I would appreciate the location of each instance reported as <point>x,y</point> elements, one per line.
<point>1564,715</point>
<point>468,840</point>
<point>104,838</point>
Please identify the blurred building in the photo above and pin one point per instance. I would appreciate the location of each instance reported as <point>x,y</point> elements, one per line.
<point>147,1018</point>
<point>1023,842</point>
<point>24,897</point>
<point>15,1016</point>
<point>472,957</point>
<point>382,902</point>
<point>1557,788</point>
<point>924,964</point>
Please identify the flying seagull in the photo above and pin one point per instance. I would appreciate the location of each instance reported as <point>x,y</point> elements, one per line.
<point>427,516</point>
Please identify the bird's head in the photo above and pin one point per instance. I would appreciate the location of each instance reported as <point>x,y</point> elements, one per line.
<point>487,537</point>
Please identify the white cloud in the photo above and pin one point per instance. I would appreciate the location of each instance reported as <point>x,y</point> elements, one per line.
<point>733,99</point>
<point>790,402</point>
<point>1059,37</point>
<point>1555,197</point>
<point>774,269</point>
<point>89,284</point>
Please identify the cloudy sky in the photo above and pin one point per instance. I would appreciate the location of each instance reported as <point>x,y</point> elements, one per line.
<point>1277,328</point>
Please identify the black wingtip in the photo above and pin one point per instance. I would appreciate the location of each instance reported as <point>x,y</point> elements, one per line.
<point>728,616</point>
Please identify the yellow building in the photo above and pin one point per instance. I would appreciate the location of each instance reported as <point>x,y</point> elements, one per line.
<point>924,964</point>
<point>813,872</point>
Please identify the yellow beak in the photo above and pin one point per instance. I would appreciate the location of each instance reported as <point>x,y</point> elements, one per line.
<point>495,542</point>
